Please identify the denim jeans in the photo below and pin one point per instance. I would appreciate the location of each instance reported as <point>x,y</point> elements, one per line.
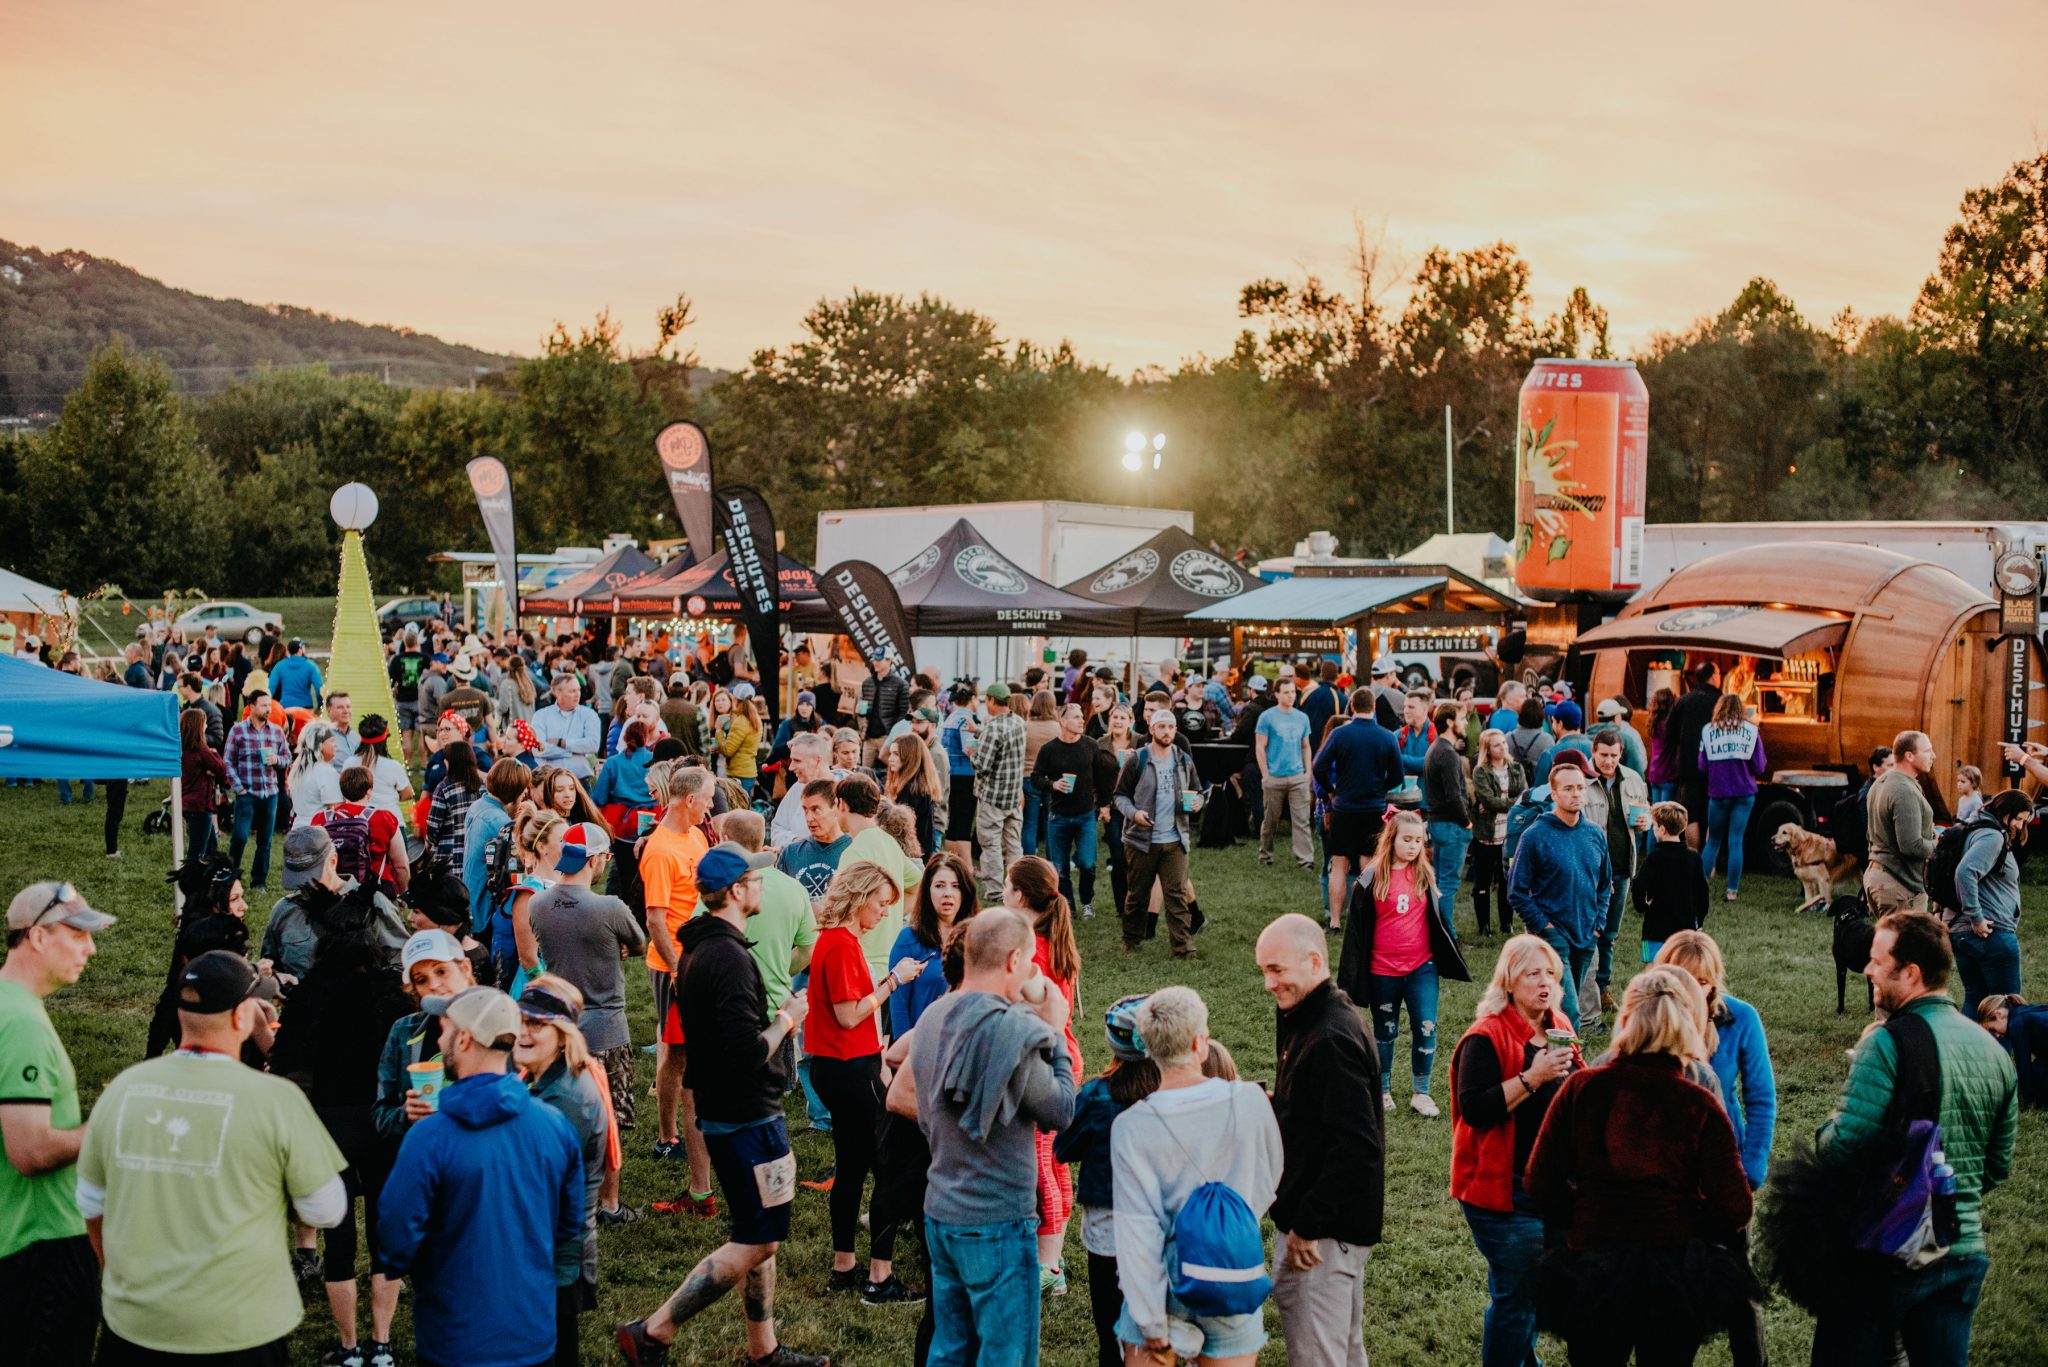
<point>1727,819</point>
<point>984,1293</point>
<point>1987,966</point>
<point>1576,962</point>
<point>1035,807</point>
<point>64,790</point>
<point>1418,990</point>
<point>1511,1242</point>
<point>1071,840</point>
<point>253,816</point>
<point>198,835</point>
<point>1604,941</point>
<point>1448,844</point>
<point>1662,792</point>
<point>1929,1310</point>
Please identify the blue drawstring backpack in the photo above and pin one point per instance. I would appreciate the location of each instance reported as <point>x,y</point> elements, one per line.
<point>1219,1257</point>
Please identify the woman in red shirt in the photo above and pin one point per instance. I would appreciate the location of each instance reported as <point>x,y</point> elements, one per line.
<point>1396,947</point>
<point>846,1065</point>
<point>1033,889</point>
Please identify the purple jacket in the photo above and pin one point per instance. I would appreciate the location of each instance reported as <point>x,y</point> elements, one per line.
<point>1733,760</point>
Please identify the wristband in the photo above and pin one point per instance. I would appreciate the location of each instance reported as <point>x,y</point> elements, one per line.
<point>1522,1077</point>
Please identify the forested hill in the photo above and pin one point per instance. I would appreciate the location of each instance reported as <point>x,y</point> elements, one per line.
<point>56,307</point>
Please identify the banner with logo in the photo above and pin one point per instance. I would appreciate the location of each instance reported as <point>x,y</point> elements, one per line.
<point>686,464</point>
<point>870,610</point>
<point>492,484</point>
<point>754,563</point>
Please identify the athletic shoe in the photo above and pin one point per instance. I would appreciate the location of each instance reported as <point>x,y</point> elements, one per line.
<point>671,1149</point>
<point>1423,1106</point>
<point>305,1266</point>
<point>1052,1281</point>
<point>621,1215</point>
<point>1087,912</point>
<point>890,1292</point>
<point>703,1207</point>
<point>1386,1101</point>
<point>343,1357</point>
<point>852,1279</point>
<point>785,1357</point>
<point>116,854</point>
<point>636,1348</point>
<point>380,1355</point>
<point>1265,861</point>
<point>1606,1000</point>
<point>823,1183</point>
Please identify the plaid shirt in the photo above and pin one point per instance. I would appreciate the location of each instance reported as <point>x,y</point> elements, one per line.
<point>447,816</point>
<point>999,760</point>
<point>246,769</point>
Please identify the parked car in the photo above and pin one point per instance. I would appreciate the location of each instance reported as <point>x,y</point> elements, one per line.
<point>231,620</point>
<point>400,613</point>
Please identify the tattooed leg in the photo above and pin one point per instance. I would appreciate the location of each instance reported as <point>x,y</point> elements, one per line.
<point>758,1295</point>
<point>707,1281</point>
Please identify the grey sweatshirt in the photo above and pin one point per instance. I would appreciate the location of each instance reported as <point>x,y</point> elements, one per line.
<point>1988,884</point>
<point>1901,829</point>
<point>990,1074</point>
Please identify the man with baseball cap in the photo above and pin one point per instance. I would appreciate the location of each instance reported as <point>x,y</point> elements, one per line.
<point>487,1191</point>
<point>49,1280</point>
<point>736,1072</point>
<point>1388,696</point>
<point>186,1181</point>
<point>1616,712</point>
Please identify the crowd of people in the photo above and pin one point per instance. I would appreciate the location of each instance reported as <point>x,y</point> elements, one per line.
<point>873,924</point>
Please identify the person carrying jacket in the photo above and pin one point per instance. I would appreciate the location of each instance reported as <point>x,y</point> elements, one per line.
<point>1330,1205</point>
<point>1562,876</point>
<point>487,1191</point>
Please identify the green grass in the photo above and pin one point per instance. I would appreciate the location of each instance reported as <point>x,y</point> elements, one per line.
<point>1425,1285</point>
<point>106,629</point>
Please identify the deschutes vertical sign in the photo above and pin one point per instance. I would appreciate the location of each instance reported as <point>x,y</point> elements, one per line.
<point>492,484</point>
<point>685,455</point>
<point>870,609</point>
<point>752,561</point>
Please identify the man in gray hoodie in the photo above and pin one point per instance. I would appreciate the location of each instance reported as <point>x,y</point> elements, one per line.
<point>989,1070</point>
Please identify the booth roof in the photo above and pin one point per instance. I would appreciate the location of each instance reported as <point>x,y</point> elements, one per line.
<point>1337,600</point>
<point>19,593</point>
<point>54,723</point>
<point>1160,584</point>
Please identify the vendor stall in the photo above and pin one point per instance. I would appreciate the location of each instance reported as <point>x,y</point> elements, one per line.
<point>596,584</point>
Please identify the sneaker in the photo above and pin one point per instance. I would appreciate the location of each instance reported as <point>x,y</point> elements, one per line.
<point>823,1183</point>
<point>890,1292</point>
<point>380,1355</point>
<point>1423,1106</point>
<point>671,1149</point>
<point>1386,1101</point>
<point>1606,1000</point>
<point>1052,1281</point>
<point>786,1357</point>
<point>1087,912</point>
<point>339,1356</point>
<point>619,1215</point>
<point>704,1207</point>
<point>116,854</point>
<point>305,1266</point>
<point>852,1279</point>
<point>635,1347</point>
<point>1265,861</point>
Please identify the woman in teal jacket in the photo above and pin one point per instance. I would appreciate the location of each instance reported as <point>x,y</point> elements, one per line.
<point>1742,1059</point>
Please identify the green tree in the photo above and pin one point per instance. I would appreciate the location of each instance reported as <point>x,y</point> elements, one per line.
<point>585,463</point>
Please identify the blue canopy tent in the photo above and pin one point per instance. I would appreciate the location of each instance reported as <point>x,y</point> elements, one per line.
<point>54,724</point>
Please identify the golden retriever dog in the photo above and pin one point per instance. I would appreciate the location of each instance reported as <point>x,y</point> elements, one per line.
<point>1815,862</point>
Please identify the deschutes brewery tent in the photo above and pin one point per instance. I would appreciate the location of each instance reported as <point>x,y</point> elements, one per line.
<point>598,583</point>
<point>54,724</point>
<point>1157,585</point>
<point>707,590</point>
<point>960,585</point>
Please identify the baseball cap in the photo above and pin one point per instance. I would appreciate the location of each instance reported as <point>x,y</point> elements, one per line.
<point>1120,1023</point>
<point>930,714</point>
<point>1573,759</point>
<point>581,843</point>
<point>1611,708</point>
<point>1568,715</point>
<point>216,981</point>
<point>996,692</point>
<point>1385,664</point>
<point>440,657</point>
<point>726,864</point>
<point>1257,683</point>
<point>430,946</point>
<point>305,852</point>
<point>53,904</point>
<point>741,691</point>
<point>491,1017</point>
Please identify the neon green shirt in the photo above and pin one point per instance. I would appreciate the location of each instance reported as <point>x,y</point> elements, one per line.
<point>35,1070</point>
<point>784,924</point>
<point>877,846</point>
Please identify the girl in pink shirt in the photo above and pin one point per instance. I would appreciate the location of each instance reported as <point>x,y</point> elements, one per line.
<point>1401,967</point>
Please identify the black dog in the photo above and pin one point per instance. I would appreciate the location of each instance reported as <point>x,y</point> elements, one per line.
<point>1853,934</point>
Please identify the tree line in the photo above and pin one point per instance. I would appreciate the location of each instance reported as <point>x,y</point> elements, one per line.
<point>1327,413</point>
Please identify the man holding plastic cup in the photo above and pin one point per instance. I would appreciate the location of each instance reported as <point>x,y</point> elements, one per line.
<point>409,1074</point>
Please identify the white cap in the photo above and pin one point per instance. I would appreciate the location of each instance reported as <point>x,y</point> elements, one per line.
<point>436,946</point>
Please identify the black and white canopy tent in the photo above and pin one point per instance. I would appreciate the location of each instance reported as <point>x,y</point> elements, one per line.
<point>1155,587</point>
<point>960,585</point>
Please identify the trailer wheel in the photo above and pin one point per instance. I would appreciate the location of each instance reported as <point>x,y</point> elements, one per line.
<point>1415,676</point>
<point>1774,807</point>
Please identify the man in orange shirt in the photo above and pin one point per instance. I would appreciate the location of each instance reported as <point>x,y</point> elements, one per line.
<point>668,876</point>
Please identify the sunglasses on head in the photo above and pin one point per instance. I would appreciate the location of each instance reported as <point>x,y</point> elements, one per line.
<point>65,893</point>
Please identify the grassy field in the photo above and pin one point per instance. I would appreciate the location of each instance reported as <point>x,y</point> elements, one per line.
<point>1425,1285</point>
<point>106,629</point>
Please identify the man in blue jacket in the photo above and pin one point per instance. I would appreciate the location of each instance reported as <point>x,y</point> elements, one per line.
<point>1562,876</point>
<point>1357,767</point>
<point>485,1193</point>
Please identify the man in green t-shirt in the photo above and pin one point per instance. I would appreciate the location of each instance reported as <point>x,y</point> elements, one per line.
<point>860,802</point>
<point>49,1280</point>
<point>192,1168</point>
<point>781,934</point>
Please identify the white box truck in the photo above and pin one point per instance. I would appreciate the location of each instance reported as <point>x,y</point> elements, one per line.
<point>1055,540</point>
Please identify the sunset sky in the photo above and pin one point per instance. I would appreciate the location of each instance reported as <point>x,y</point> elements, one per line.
<point>1109,173</point>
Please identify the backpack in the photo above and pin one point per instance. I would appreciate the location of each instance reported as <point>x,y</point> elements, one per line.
<point>1908,1213</point>
<point>1533,802</point>
<point>1518,755</point>
<point>1850,822</point>
<point>1219,1256</point>
<point>351,836</point>
<point>500,873</point>
<point>1948,857</point>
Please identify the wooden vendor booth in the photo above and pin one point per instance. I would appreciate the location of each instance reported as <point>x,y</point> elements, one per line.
<point>1836,648</point>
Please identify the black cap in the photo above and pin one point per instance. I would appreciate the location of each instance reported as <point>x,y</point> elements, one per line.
<point>215,982</point>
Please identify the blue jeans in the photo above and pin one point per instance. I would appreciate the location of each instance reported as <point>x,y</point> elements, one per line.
<point>198,835</point>
<point>1511,1242</point>
<point>984,1293</point>
<point>1576,962</point>
<point>64,790</point>
<point>1987,966</point>
<point>1071,839</point>
<point>815,1109</point>
<point>257,816</point>
<point>1448,844</point>
<point>1929,1310</point>
<point>1662,792</point>
<point>1035,808</point>
<point>1604,941</point>
<point>1419,991</point>
<point>1727,819</point>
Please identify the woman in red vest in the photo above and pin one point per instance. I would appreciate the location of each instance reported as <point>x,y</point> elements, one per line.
<point>1503,1075</point>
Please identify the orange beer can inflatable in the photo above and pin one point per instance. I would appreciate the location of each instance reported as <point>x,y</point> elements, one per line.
<point>1582,448</point>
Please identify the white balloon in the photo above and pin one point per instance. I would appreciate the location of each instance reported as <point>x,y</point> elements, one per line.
<point>353,507</point>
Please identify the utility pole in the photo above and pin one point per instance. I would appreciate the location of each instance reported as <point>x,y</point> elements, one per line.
<point>1450,510</point>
